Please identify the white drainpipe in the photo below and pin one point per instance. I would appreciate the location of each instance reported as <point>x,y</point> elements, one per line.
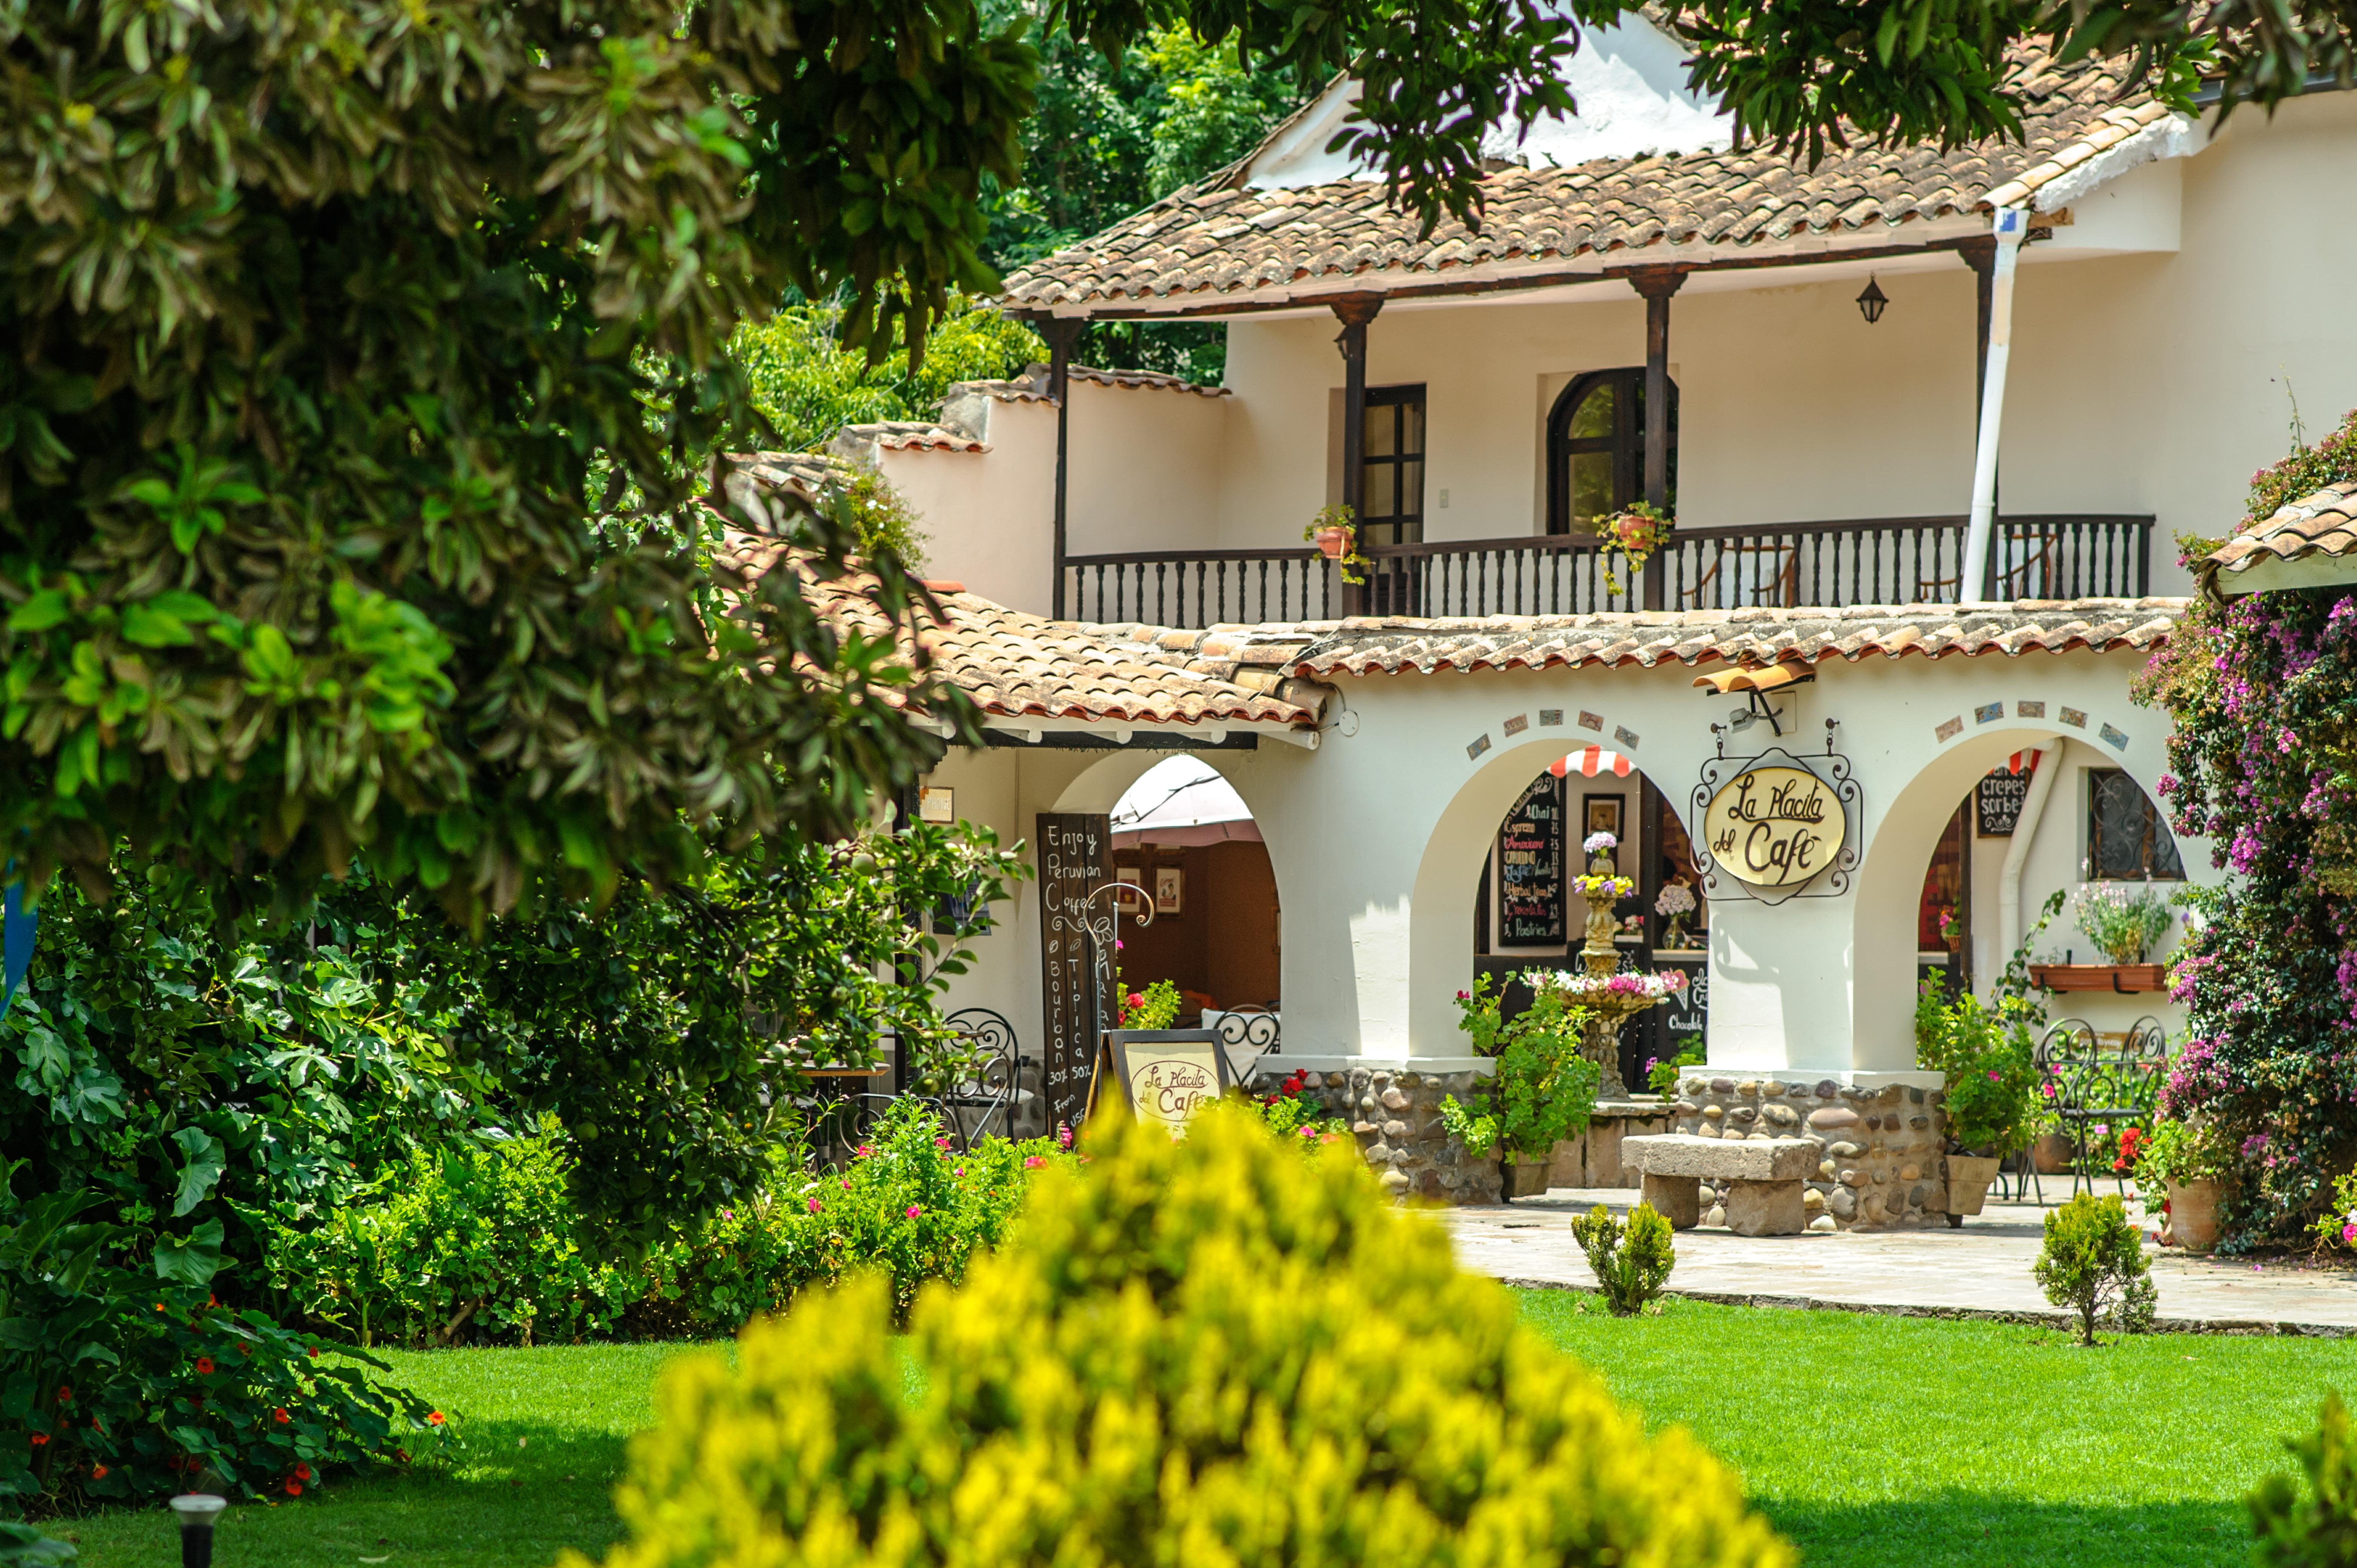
<point>2044,766</point>
<point>2009,224</point>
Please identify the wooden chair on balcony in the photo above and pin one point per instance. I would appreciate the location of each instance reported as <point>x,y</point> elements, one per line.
<point>1768,570</point>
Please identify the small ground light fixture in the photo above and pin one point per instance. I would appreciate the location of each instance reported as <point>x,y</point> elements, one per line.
<point>197,1512</point>
<point>1870,302</point>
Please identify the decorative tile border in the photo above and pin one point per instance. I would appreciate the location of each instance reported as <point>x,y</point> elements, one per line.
<point>1549,717</point>
<point>2113,738</point>
<point>2029,710</point>
<point>1517,724</point>
<point>1474,751</point>
<point>1624,735</point>
<point>2074,718</point>
<point>1590,721</point>
<point>1988,712</point>
<point>1949,729</point>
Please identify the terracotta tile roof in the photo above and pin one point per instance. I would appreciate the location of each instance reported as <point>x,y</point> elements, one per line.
<point>1219,240</point>
<point>1016,665</point>
<point>2322,524</point>
<point>904,434</point>
<point>1031,386</point>
<point>803,473</point>
<point>1737,637</point>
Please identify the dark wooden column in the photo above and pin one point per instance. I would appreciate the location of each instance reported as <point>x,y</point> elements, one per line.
<point>1657,284</point>
<point>1061,332</point>
<point>1355,311</point>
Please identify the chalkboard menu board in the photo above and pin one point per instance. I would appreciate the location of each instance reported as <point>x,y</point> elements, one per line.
<point>1530,868</point>
<point>1998,803</point>
<point>1075,860</point>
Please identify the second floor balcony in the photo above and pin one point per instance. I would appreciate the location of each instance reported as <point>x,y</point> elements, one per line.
<point>1865,561</point>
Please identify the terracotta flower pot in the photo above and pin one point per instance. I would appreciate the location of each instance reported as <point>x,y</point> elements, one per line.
<point>1332,541</point>
<point>1968,1182</point>
<point>1522,1178</point>
<point>2050,1155</point>
<point>2193,1215</point>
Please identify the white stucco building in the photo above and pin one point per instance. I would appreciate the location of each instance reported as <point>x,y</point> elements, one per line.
<point>1927,423</point>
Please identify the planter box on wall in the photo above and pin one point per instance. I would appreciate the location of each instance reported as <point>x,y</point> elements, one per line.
<point>2122,977</point>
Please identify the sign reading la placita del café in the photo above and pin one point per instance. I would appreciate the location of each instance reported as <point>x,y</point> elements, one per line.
<point>1775,826</point>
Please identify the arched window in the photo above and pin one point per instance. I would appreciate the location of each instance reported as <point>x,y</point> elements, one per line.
<point>1595,449</point>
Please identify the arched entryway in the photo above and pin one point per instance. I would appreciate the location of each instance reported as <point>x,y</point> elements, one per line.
<point>1184,833</point>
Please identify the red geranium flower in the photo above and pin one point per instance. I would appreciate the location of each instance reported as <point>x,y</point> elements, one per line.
<point>98,1472</point>
<point>204,1365</point>
<point>434,1418</point>
<point>65,1393</point>
<point>278,1415</point>
<point>301,1472</point>
<point>294,1488</point>
<point>315,1352</point>
<point>40,1440</point>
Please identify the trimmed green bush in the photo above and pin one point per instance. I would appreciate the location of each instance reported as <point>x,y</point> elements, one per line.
<point>1210,1351</point>
<point>1632,1262</point>
<point>2093,1264</point>
<point>2316,1528</point>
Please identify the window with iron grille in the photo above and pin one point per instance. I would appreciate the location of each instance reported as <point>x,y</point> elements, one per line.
<point>2128,840</point>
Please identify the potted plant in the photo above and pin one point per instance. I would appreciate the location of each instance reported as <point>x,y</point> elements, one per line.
<point>2125,928</point>
<point>1632,534</point>
<point>2188,1163</point>
<point>1335,533</point>
<point>1542,1091</point>
<point>1675,903</point>
<point>1992,1091</point>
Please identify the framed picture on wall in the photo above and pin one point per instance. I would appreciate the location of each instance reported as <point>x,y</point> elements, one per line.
<point>1169,889</point>
<point>1600,814</point>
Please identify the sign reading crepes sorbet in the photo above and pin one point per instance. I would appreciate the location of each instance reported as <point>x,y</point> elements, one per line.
<point>1775,827</point>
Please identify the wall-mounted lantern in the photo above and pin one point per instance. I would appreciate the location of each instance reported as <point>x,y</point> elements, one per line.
<point>1871,303</point>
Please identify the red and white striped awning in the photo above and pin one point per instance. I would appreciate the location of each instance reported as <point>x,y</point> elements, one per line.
<point>1593,760</point>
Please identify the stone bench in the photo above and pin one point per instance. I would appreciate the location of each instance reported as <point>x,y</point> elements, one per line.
<point>1764,1177</point>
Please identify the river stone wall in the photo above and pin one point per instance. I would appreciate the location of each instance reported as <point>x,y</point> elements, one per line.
<point>1884,1162</point>
<point>1396,1119</point>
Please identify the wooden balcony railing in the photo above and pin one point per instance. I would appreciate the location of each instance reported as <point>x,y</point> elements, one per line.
<point>1870,561</point>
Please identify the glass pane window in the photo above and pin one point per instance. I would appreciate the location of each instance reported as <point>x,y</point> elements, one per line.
<point>1596,449</point>
<point>2127,841</point>
<point>1392,468</point>
<point>1593,418</point>
<point>1591,489</point>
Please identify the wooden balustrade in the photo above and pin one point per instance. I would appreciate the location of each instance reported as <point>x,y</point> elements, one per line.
<point>1870,561</point>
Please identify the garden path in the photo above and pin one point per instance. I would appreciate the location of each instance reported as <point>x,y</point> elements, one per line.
<point>1980,1271</point>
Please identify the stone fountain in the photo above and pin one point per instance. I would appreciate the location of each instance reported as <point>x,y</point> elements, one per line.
<point>1608,1006</point>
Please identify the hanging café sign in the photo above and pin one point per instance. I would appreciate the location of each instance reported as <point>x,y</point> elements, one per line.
<point>1774,824</point>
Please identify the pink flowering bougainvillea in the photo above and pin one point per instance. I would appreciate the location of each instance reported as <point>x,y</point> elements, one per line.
<point>2263,762</point>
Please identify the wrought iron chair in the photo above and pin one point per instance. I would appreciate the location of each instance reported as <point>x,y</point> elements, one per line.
<point>2111,1080</point>
<point>1255,1030</point>
<point>996,1088</point>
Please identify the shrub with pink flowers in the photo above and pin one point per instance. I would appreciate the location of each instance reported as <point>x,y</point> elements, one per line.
<point>2263,762</point>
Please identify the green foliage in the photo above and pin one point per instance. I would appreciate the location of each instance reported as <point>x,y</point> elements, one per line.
<point>2124,926</point>
<point>2093,1264</point>
<point>1544,1089</point>
<point>873,511</point>
<point>22,1546</point>
<point>807,384</point>
<point>2179,1153</point>
<point>1630,1263</point>
<point>1156,1007</point>
<point>1478,1133</point>
<point>2316,1528</point>
<point>1662,1077</point>
<point>2331,461</point>
<point>1300,1117</point>
<point>255,1078</point>
<point>1172,1345</point>
<point>125,1383</point>
<point>1994,1097</point>
<point>2337,1226</point>
<point>489,1235</point>
<point>351,508</point>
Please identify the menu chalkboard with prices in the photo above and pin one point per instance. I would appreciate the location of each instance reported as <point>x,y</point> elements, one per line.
<point>1530,868</point>
<point>1075,860</point>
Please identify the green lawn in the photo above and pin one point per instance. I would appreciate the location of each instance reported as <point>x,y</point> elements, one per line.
<point>543,1433</point>
<point>1872,1442</point>
<point>1891,1441</point>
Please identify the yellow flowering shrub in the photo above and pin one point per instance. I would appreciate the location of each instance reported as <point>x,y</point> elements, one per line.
<point>1210,1353</point>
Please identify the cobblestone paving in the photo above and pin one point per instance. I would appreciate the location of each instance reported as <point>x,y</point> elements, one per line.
<point>1982,1270</point>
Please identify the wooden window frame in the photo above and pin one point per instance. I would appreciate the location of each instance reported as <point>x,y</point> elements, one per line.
<point>1404,526</point>
<point>1627,442</point>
